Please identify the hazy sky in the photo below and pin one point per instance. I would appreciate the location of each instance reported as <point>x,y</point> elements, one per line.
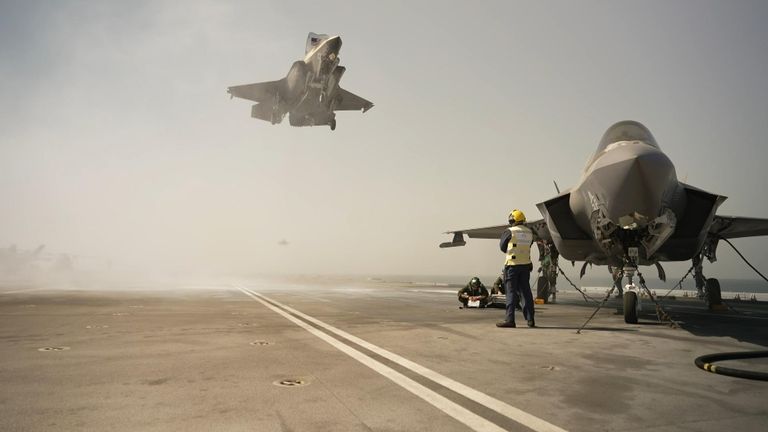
<point>117,136</point>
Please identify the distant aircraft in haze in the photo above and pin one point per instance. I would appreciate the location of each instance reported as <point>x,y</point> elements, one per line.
<point>17,262</point>
<point>283,242</point>
<point>13,260</point>
<point>310,94</point>
<point>630,209</point>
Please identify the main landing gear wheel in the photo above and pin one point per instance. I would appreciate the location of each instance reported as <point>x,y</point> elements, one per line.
<point>712,290</point>
<point>333,124</point>
<point>630,307</point>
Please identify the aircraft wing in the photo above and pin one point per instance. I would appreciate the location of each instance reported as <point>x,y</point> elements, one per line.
<point>258,92</point>
<point>539,228</point>
<point>736,227</point>
<point>347,101</point>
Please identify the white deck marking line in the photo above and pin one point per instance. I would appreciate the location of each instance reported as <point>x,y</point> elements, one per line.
<point>21,291</point>
<point>437,291</point>
<point>474,421</point>
<point>741,314</point>
<point>500,407</point>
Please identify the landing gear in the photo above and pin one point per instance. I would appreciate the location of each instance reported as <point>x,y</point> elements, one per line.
<point>333,124</point>
<point>709,289</point>
<point>630,307</point>
<point>712,292</point>
<point>631,300</point>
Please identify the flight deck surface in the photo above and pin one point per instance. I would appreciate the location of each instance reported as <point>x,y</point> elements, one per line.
<point>355,355</point>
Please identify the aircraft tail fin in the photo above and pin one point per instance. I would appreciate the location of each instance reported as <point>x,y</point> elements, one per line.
<point>313,40</point>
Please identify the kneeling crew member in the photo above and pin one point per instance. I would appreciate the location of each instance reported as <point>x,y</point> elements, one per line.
<point>498,286</point>
<point>474,291</point>
<point>516,243</point>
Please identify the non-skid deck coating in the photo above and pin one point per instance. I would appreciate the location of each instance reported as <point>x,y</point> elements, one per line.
<point>213,357</point>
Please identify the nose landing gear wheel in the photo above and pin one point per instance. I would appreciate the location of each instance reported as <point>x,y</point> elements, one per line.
<point>630,307</point>
<point>333,124</point>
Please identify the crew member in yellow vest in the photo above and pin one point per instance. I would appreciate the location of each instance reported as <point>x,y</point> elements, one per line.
<point>516,243</point>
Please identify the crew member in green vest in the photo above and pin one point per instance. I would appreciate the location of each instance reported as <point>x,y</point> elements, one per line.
<point>475,291</point>
<point>516,243</point>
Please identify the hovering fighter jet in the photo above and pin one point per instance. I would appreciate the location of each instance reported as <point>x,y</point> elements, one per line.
<point>630,209</point>
<point>310,93</point>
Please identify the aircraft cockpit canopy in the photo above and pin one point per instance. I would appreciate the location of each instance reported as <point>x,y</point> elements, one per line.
<point>313,40</point>
<point>624,131</point>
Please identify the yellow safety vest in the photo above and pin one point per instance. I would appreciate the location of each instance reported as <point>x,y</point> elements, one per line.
<point>519,246</point>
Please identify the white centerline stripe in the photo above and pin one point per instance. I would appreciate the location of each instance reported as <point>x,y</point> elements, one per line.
<point>500,407</point>
<point>474,421</point>
<point>438,291</point>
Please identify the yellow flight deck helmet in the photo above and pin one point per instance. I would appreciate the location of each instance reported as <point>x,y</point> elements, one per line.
<point>517,216</point>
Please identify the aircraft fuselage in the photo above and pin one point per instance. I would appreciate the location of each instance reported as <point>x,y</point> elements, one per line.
<point>310,92</point>
<point>310,84</point>
<point>629,201</point>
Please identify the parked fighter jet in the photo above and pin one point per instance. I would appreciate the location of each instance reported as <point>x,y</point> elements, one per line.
<point>630,209</point>
<point>310,93</point>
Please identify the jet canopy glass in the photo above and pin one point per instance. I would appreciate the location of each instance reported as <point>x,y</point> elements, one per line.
<point>627,130</point>
<point>624,131</point>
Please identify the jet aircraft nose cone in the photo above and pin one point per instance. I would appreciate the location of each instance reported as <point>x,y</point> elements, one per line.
<point>636,181</point>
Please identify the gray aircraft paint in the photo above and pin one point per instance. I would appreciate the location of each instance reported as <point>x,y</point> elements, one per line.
<point>629,197</point>
<point>310,93</point>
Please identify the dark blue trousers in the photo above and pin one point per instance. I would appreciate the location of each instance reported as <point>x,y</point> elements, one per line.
<point>517,283</point>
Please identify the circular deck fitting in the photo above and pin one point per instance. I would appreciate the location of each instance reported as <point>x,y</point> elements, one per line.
<point>261,343</point>
<point>63,348</point>
<point>291,382</point>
